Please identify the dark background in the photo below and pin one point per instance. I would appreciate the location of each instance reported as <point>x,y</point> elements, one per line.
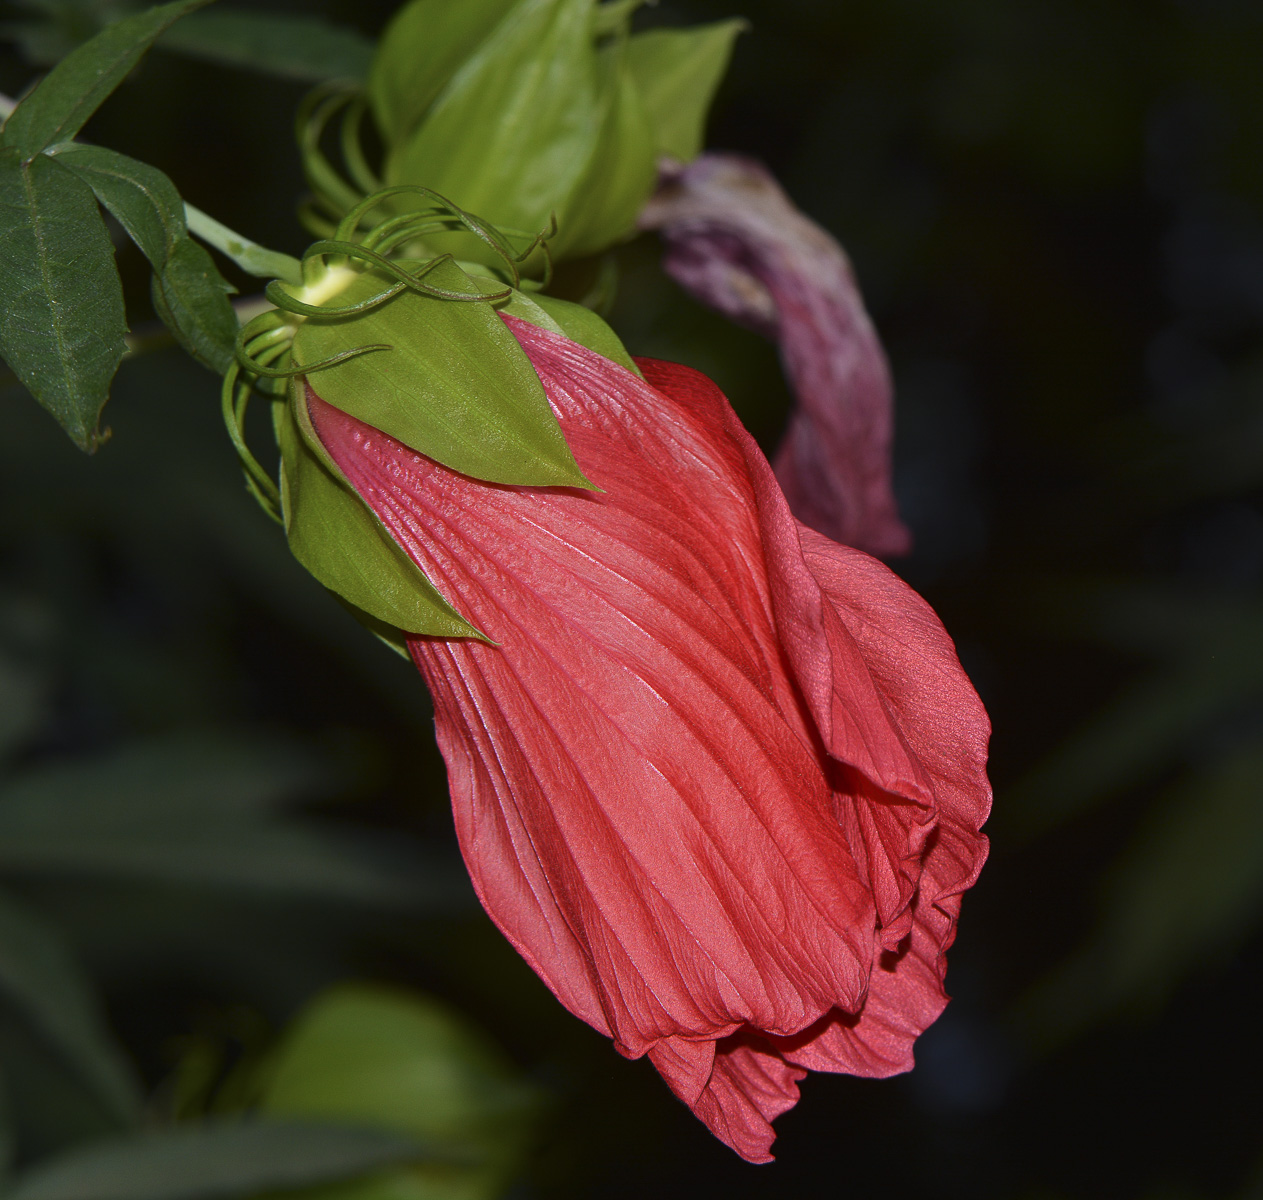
<point>1056,212</point>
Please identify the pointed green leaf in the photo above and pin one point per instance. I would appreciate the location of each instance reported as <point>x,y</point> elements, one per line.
<point>140,197</point>
<point>620,177</point>
<point>514,130</point>
<point>61,308</point>
<point>614,16</point>
<point>422,48</point>
<point>304,48</point>
<point>678,72</point>
<point>77,86</point>
<point>40,978</point>
<point>189,293</point>
<point>193,302</point>
<point>337,537</point>
<point>455,385</point>
<point>216,1160</point>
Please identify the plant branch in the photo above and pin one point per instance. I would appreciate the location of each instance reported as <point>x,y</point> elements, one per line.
<point>249,256</point>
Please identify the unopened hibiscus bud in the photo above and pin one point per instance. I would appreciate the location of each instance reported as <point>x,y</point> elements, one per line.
<point>717,778</point>
<point>525,110</point>
<point>737,243</point>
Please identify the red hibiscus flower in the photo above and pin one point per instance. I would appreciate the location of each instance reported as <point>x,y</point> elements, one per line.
<point>718,779</point>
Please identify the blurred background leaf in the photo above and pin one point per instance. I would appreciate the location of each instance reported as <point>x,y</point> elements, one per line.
<point>214,1160</point>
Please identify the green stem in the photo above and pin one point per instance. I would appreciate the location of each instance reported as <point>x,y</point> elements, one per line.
<point>249,256</point>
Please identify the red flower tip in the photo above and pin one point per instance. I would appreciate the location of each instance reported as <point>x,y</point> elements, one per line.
<point>720,779</point>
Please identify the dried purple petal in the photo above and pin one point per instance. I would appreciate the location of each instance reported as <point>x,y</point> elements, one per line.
<point>736,242</point>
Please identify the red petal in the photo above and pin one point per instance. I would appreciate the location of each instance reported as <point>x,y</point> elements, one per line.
<point>636,790</point>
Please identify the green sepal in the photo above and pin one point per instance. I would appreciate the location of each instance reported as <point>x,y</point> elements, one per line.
<point>339,539</point>
<point>77,86</point>
<point>614,17</point>
<point>424,45</point>
<point>454,386</point>
<point>514,130</point>
<point>677,72</point>
<point>570,320</point>
<point>621,174</point>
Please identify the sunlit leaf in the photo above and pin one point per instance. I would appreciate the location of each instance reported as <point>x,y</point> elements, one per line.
<point>514,131</point>
<point>77,86</point>
<point>294,47</point>
<point>677,72</point>
<point>214,1160</point>
<point>424,45</point>
<point>61,309</point>
<point>622,170</point>
<point>42,981</point>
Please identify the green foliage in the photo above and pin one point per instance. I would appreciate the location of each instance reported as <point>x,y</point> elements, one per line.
<point>422,48</point>
<point>41,979</point>
<point>61,309</point>
<point>65,98</point>
<point>621,170</point>
<point>341,542</point>
<point>454,385</point>
<point>190,294</point>
<point>62,321</point>
<point>215,1161</point>
<point>522,111</point>
<point>677,72</point>
<point>404,1062</point>
<point>511,134</point>
<point>293,47</point>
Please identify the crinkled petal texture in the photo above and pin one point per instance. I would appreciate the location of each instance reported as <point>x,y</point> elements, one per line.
<point>719,780</point>
<point>735,241</point>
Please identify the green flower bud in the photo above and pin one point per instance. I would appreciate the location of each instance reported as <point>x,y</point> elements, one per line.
<point>527,111</point>
<point>418,350</point>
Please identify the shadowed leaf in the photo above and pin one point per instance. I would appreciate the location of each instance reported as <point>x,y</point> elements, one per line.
<point>207,1162</point>
<point>40,979</point>
<point>304,48</point>
<point>77,86</point>
<point>1187,889</point>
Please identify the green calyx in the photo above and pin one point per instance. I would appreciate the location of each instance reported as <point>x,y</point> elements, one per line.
<point>416,349</point>
<point>521,110</point>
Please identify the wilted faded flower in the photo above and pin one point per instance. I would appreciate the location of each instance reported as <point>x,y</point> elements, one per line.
<point>717,778</point>
<point>736,242</point>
